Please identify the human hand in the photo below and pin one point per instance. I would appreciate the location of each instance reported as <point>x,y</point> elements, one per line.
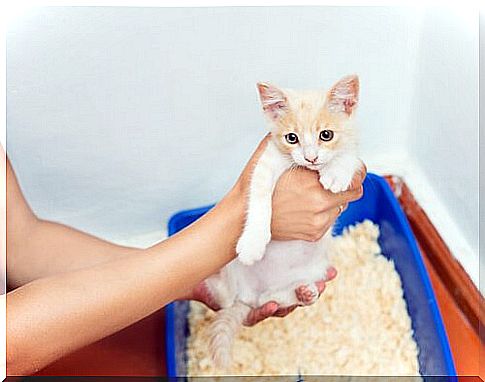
<point>270,309</point>
<point>244,180</point>
<point>303,209</point>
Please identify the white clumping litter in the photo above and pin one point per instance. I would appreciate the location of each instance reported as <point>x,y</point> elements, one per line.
<point>359,326</point>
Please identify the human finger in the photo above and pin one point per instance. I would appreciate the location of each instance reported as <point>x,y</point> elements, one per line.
<point>283,312</point>
<point>259,314</point>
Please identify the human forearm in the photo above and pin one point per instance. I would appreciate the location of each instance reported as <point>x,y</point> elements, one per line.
<point>77,308</point>
<point>50,248</point>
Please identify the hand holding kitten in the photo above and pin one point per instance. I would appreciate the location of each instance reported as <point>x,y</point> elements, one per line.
<point>303,210</point>
<point>316,130</point>
<point>270,309</point>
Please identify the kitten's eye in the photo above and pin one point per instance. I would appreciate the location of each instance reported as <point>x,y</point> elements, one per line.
<point>326,135</point>
<point>291,138</point>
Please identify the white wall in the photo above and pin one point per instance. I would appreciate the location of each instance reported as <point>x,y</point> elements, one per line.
<point>482,150</point>
<point>443,138</point>
<point>119,117</point>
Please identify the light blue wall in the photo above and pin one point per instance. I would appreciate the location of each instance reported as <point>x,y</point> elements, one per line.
<point>444,113</point>
<point>119,117</point>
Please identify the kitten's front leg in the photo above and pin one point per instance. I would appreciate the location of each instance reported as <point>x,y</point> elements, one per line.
<point>257,230</point>
<point>338,174</point>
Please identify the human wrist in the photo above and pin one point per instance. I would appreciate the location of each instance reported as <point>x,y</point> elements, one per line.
<point>234,204</point>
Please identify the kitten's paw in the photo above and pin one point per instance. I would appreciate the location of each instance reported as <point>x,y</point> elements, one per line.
<point>335,181</point>
<point>251,248</point>
<point>307,294</point>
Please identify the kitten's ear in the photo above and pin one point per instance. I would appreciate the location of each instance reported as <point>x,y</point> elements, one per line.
<point>273,100</point>
<point>344,95</point>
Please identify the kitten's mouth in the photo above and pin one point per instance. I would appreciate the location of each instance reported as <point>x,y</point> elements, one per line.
<point>314,166</point>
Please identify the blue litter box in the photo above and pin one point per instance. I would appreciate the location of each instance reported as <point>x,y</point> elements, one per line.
<point>397,242</point>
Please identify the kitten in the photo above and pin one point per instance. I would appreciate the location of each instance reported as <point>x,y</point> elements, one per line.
<point>312,129</point>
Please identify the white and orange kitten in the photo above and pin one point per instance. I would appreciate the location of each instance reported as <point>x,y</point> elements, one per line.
<point>312,129</point>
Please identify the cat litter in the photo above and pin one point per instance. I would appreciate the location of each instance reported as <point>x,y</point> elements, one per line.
<point>359,326</point>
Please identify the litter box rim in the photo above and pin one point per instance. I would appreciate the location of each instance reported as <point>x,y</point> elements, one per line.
<point>404,225</point>
<point>432,302</point>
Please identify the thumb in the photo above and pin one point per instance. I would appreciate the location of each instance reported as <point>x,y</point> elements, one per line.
<point>258,152</point>
<point>248,169</point>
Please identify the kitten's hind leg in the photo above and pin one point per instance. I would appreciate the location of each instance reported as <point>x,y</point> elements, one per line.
<point>307,294</point>
<point>221,288</point>
<point>302,293</point>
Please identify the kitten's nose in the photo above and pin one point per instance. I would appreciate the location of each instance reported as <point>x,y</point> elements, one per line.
<point>311,159</point>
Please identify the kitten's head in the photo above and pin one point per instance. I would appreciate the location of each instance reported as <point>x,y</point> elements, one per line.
<point>312,126</point>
